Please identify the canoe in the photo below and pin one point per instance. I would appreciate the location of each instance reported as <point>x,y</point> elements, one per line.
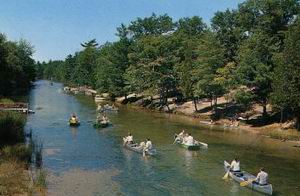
<point>101,125</point>
<point>74,124</point>
<point>190,147</point>
<point>244,176</point>
<point>196,146</point>
<point>138,149</point>
<point>107,109</point>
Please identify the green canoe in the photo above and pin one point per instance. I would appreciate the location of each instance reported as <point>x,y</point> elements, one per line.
<point>101,125</point>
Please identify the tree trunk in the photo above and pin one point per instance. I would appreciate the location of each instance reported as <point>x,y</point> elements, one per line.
<point>297,125</point>
<point>281,115</point>
<point>264,105</point>
<point>195,104</point>
<point>168,107</point>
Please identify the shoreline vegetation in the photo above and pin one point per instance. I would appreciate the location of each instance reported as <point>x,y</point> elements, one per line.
<point>284,132</point>
<point>20,153</point>
<point>21,170</point>
<point>242,68</point>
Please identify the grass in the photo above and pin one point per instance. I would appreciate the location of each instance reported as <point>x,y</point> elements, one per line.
<point>6,101</point>
<point>40,181</point>
<point>16,155</point>
<point>11,128</point>
<point>14,179</point>
<point>18,152</point>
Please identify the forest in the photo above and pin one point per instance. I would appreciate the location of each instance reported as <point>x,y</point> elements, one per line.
<point>249,55</point>
<point>17,66</point>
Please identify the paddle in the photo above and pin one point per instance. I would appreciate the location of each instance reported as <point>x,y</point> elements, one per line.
<point>245,183</point>
<point>175,141</point>
<point>226,175</point>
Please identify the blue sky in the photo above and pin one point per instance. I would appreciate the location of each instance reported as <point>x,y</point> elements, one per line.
<point>57,27</point>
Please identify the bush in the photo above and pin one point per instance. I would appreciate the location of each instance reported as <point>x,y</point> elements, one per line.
<point>11,128</point>
<point>7,101</point>
<point>243,97</point>
<point>17,152</point>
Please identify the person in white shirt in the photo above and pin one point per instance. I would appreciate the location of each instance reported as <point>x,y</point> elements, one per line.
<point>128,139</point>
<point>262,177</point>
<point>142,145</point>
<point>182,134</point>
<point>147,147</point>
<point>189,140</point>
<point>235,165</point>
<point>148,144</point>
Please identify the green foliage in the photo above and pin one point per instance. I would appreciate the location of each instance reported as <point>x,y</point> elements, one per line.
<point>16,65</point>
<point>286,78</point>
<point>225,25</point>
<point>18,152</point>
<point>255,58</point>
<point>152,65</point>
<point>40,180</point>
<point>244,97</point>
<point>11,128</point>
<point>255,46</point>
<point>6,101</point>
<point>210,59</point>
<point>149,26</point>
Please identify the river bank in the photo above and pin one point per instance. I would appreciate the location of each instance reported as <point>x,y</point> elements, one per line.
<point>229,120</point>
<point>20,156</point>
<point>229,116</point>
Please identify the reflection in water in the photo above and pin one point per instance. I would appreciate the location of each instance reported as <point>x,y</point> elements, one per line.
<point>74,131</point>
<point>97,154</point>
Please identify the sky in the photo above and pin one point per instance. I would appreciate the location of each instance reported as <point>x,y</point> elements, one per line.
<point>57,27</point>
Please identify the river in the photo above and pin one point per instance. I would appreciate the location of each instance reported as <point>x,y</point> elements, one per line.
<point>87,161</point>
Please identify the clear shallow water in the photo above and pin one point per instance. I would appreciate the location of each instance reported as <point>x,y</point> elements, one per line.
<point>86,161</point>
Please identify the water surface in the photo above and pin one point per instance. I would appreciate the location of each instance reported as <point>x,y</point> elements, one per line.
<point>86,161</point>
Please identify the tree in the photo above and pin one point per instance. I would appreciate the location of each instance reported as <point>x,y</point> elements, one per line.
<point>17,66</point>
<point>187,35</point>
<point>286,83</point>
<point>149,26</point>
<point>86,63</point>
<point>151,69</point>
<point>191,26</point>
<point>210,59</point>
<point>226,27</point>
<point>256,66</point>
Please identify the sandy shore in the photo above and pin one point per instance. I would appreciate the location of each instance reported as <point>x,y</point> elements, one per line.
<point>204,113</point>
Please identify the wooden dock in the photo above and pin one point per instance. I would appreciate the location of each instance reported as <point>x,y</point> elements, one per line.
<point>17,107</point>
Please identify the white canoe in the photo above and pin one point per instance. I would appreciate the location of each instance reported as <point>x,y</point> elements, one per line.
<point>244,176</point>
<point>196,146</point>
<point>138,149</point>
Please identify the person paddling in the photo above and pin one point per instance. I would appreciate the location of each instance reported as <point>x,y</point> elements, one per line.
<point>74,118</point>
<point>235,166</point>
<point>189,140</point>
<point>147,147</point>
<point>182,134</point>
<point>104,119</point>
<point>180,137</point>
<point>128,139</point>
<point>261,178</point>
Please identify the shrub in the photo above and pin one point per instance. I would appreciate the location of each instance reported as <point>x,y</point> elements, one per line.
<point>11,128</point>
<point>19,152</point>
